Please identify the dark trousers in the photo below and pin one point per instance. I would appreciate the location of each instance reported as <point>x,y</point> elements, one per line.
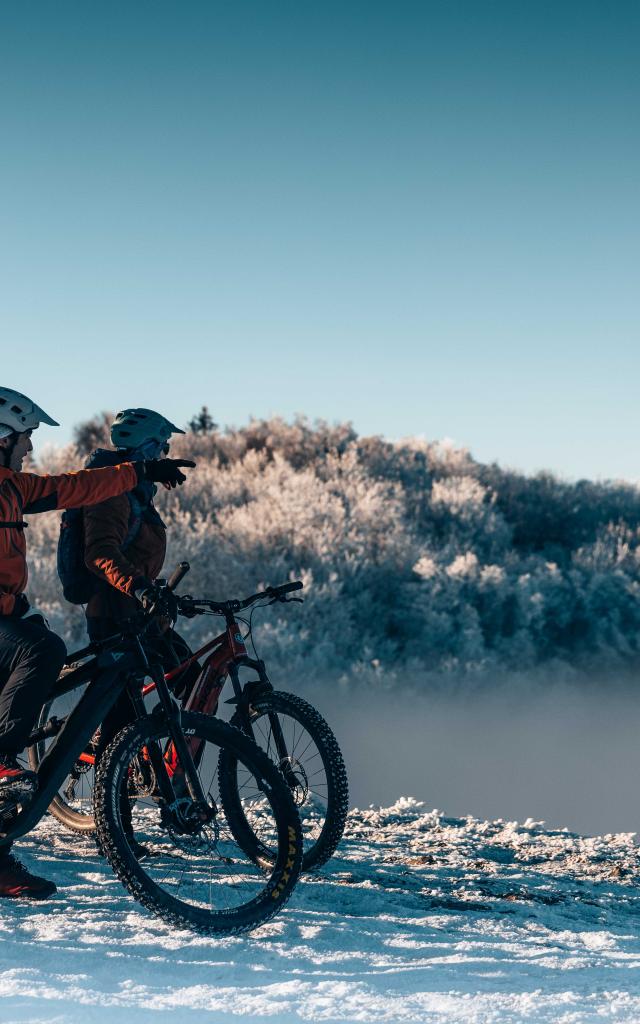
<point>31,657</point>
<point>171,649</point>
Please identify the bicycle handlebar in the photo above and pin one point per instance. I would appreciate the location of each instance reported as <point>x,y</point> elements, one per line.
<point>186,605</point>
<point>189,604</point>
<point>277,593</point>
<point>287,588</point>
<point>178,575</point>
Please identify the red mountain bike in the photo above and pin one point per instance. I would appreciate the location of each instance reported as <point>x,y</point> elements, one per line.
<point>292,733</point>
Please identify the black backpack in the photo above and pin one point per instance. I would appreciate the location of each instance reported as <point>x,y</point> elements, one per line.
<point>78,583</point>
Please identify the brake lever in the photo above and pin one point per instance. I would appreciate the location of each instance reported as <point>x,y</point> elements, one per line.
<point>187,607</point>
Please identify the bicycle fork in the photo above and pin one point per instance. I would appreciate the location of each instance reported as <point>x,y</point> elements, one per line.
<point>243,701</point>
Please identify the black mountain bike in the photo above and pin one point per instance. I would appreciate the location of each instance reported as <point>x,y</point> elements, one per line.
<point>203,868</point>
<point>289,729</point>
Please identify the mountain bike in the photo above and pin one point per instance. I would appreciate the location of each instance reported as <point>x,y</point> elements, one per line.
<point>290,731</point>
<point>203,868</point>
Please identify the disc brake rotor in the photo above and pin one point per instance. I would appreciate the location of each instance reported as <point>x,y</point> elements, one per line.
<point>192,828</point>
<point>296,778</point>
<point>81,768</point>
<point>142,778</point>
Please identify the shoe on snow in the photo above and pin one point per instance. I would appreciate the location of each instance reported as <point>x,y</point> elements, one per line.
<point>18,883</point>
<point>16,782</point>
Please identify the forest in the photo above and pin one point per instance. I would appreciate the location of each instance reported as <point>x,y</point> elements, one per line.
<point>420,564</point>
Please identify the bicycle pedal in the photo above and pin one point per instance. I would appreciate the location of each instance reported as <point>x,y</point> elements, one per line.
<point>9,810</point>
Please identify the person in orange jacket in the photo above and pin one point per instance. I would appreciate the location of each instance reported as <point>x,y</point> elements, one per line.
<point>31,655</point>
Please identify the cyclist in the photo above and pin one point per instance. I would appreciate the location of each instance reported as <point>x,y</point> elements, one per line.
<point>124,539</point>
<point>126,560</point>
<point>31,656</point>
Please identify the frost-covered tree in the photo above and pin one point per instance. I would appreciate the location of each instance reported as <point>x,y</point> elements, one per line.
<point>202,422</point>
<point>418,561</point>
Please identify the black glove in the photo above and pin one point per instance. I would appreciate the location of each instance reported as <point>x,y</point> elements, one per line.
<point>166,471</point>
<point>157,600</point>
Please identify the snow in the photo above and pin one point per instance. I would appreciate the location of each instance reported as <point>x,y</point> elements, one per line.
<point>419,918</point>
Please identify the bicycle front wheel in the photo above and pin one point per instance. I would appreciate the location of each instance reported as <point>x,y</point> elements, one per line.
<point>180,859</point>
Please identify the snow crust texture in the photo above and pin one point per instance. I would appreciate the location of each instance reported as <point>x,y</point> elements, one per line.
<point>419,918</point>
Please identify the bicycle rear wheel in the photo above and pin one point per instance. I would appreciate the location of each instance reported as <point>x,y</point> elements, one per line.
<point>73,803</point>
<point>196,874</point>
<point>313,769</point>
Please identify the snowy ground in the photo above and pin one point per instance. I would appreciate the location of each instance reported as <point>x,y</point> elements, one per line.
<point>420,918</point>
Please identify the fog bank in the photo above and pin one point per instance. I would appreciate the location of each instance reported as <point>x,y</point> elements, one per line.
<point>565,755</point>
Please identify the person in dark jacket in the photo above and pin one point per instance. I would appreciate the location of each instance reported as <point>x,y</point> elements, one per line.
<point>31,655</point>
<point>124,570</point>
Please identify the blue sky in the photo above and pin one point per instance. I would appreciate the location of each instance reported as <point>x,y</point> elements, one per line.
<point>422,217</point>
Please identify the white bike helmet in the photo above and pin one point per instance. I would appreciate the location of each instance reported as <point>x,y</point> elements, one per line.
<point>18,413</point>
<point>132,427</point>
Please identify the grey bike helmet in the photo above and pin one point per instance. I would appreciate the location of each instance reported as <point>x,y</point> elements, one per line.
<point>132,427</point>
<point>19,413</point>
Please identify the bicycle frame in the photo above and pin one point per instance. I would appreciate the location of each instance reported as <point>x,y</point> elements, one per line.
<point>226,654</point>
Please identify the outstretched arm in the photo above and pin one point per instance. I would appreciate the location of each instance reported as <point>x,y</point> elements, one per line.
<point>73,490</point>
<point>91,486</point>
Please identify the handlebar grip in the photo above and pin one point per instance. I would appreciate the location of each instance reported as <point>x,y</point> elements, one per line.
<point>178,575</point>
<point>286,588</point>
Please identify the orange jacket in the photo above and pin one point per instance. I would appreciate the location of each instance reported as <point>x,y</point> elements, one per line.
<point>105,529</point>
<point>25,493</point>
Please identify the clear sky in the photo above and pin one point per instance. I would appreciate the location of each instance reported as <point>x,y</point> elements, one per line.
<point>419,216</point>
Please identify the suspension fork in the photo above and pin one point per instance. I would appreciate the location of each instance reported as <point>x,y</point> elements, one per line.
<point>243,702</point>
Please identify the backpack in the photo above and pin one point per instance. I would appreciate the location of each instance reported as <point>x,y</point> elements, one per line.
<point>78,582</point>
